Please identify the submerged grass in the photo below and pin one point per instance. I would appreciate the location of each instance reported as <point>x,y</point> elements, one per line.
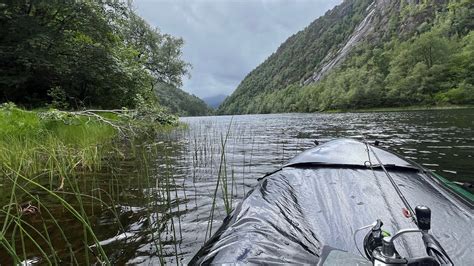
<point>42,155</point>
<point>14,215</point>
<point>76,172</point>
<point>45,157</point>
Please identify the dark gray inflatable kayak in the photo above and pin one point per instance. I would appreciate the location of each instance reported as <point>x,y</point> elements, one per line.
<point>311,211</point>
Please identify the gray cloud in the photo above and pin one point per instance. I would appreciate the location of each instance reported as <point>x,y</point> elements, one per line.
<point>225,40</point>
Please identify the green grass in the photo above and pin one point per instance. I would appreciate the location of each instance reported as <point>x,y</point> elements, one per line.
<point>40,154</point>
<point>75,169</point>
<point>33,142</point>
<point>53,160</point>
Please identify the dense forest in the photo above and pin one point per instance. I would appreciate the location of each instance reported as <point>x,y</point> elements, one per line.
<point>410,53</point>
<point>79,54</point>
<point>180,102</point>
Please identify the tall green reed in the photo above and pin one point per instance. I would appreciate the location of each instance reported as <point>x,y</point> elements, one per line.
<point>221,178</point>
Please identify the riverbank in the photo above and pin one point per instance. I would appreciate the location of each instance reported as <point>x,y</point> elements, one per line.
<point>52,141</point>
<point>402,109</point>
<point>58,168</point>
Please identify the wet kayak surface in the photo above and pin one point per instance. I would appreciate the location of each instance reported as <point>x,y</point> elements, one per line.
<point>296,213</point>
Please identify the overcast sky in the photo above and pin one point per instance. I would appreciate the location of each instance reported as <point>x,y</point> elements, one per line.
<point>226,39</point>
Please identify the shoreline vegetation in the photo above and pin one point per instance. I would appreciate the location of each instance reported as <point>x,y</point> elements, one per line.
<point>46,157</point>
<point>61,171</point>
<point>376,109</point>
<point>80,139</point>
<point>401,109</point>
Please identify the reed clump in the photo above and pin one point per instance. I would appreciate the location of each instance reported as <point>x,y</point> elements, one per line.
<point>45,158</point>
<point>31,145</point>
<point>33,142</point>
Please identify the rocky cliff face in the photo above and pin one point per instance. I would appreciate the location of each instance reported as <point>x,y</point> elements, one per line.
<point>360,33</point>
<point>298,58</point>
<point>375,28</point>
<point>311,54</point>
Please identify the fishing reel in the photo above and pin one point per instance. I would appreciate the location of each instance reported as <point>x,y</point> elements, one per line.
<point>380,249</point>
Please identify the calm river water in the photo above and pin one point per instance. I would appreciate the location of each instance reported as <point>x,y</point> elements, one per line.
<point>441,140</point>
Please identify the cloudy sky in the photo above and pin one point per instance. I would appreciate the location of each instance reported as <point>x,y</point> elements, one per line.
<point>226,39</point>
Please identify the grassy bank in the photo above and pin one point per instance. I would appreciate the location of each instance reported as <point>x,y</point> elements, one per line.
<point>32,142</point>
<point>52,141</point>
<point>51,168</point>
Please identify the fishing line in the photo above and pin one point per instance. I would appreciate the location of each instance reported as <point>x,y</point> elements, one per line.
<point>355,239</point>
<point>397,189</point>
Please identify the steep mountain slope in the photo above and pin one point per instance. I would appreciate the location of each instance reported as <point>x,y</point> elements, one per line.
<point>358,54</point>
<point>214,101</point>
<point>180,102</point>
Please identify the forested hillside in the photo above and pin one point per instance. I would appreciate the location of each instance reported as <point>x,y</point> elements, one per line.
<point>366,54</point>
<point>180,102</point>
<point>79,54</point>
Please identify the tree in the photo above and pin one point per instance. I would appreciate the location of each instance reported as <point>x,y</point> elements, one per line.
<point>93,53</point>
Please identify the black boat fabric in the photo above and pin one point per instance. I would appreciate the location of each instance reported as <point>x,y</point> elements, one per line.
<point>347,152</point>
<point>300,213</point>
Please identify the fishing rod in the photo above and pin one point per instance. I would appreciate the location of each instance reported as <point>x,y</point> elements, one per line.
<point>395,186</point>
<point>379,245</point>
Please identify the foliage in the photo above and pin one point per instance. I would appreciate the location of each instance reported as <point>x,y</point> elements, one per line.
<point>148,114</point>
<point>76,54</point>
<point>45,200</point>
<point>430,65</point>
<point>29,139</point>
<point>298,56</point>
<point>179,102</point>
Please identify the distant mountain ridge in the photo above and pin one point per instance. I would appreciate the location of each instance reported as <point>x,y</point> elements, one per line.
<point>214,101</point>
<point>367,53</point>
